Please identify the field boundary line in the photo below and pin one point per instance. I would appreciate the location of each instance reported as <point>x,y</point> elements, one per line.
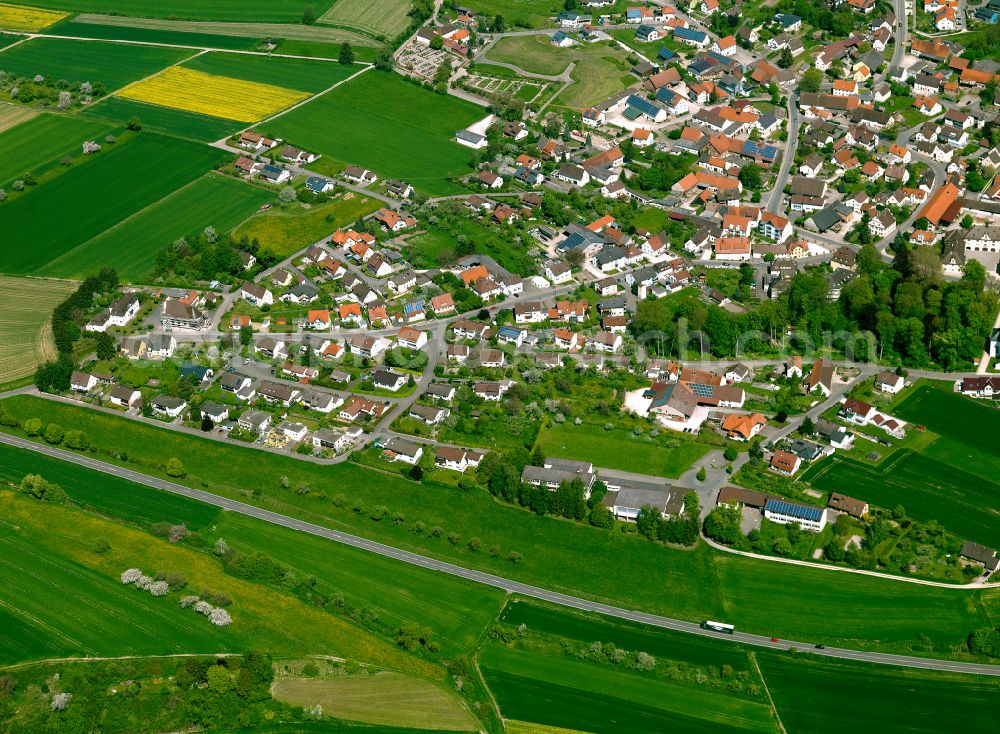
<point>50,661</point>
<point>860,571</point>
<point>774,709</point>
<point>191,47</point>
<point>306,101</point>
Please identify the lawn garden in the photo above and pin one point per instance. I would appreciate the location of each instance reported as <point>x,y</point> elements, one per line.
<point>93,197</point>
<point>792,602</point>
<point>385,123</point>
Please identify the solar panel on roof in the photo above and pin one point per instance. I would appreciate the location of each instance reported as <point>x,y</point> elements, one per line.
<point>702,391</point>
<point>793,510</point>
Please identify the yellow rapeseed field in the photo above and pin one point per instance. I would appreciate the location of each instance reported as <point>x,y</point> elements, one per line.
<point>211,94</point>
<point>23,18</point>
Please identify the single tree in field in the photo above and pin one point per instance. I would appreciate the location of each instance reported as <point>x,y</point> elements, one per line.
<point>308,15</point>
<point>346,54</point>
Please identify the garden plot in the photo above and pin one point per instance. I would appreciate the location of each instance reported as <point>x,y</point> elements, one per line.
<point>489,86</point>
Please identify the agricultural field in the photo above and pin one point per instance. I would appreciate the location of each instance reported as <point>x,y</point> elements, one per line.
<point>385,123</point>
<point>907,700</point>
<point>951,478</point>
<point>601,69</point>
<point>371,17</point>
<point>26,18</point>
<point>211,201</point>
<point>209,94</point>
<point>213,33</point>
<point>25,333</point>
<point>183,124</point>
<point>308,75</point>
<point>93,197</point>
<point>272,11</point>
<point>112,64</point>
<point>13,115</point>
<point>286,231</point>
<point>757,596</point>
<point>380,698</point>
<point>39,142</point>
<point>619,449</point>
<point>50,558</point>
<point>581,696</point>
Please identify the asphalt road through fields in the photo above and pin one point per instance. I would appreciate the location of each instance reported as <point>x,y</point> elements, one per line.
<point>508,585</point>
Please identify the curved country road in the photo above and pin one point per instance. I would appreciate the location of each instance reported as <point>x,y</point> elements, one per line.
<point>514,587</point>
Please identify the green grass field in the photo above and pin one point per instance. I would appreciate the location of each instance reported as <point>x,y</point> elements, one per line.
<point>952,479</point>
<point>110,496</point>
<point>184,124</point>
<point>821,697</point>
<point>54,580</point>
<point>306,75</point>
<point>112,64</point>
<point>382,122</point>
<point>527,13</point>
<point>211,201</point>
<point>284,232</point>
<point>600,69</point>
<point>25,334</point>
<point>456,610</point>
<point>90,199</point>
<point>38,144</point>
<point>372,17</point>
<point>791,602</point>
<point>279,11</point>
<point>384,698</point>
<point>619,449</point>
<point>577,695</point>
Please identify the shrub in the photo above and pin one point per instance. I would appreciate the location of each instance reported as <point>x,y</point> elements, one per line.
<point>60,701</point>
<point>159,588</point>
<point>514,557</point>
<point>130,576</point>
<point>220,618</point>
<point>475,545</point>
<point>189,600</point>
<point>33,426</point>
<point>437,531</point>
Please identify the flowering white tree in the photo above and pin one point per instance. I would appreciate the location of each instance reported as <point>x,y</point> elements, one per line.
<point>86,88</point>
<point>39,79</point>
<point>60,701</point>
<point>203,607</point>
<point>187,601</point>
<point>91,146</point>
<point>220,618</point>
<point>221,547</point>
<point>644,661</point>
<point>144,582</point>
<point>65,100</point>
<point>159,588</point>
<point>131,576</point>
<point>316,712</point>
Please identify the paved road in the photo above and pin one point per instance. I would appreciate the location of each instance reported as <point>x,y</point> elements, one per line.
<point>788,158</point>
<point>513,587</point>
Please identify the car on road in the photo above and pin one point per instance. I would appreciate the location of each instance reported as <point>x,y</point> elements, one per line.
<point>774,639</point>
<point>246,360</point>
<point>820,647</point>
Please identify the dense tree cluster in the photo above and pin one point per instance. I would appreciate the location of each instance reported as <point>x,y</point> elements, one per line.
<point>67,323</point>
<point>207,256</point>
<point>912,314</point>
